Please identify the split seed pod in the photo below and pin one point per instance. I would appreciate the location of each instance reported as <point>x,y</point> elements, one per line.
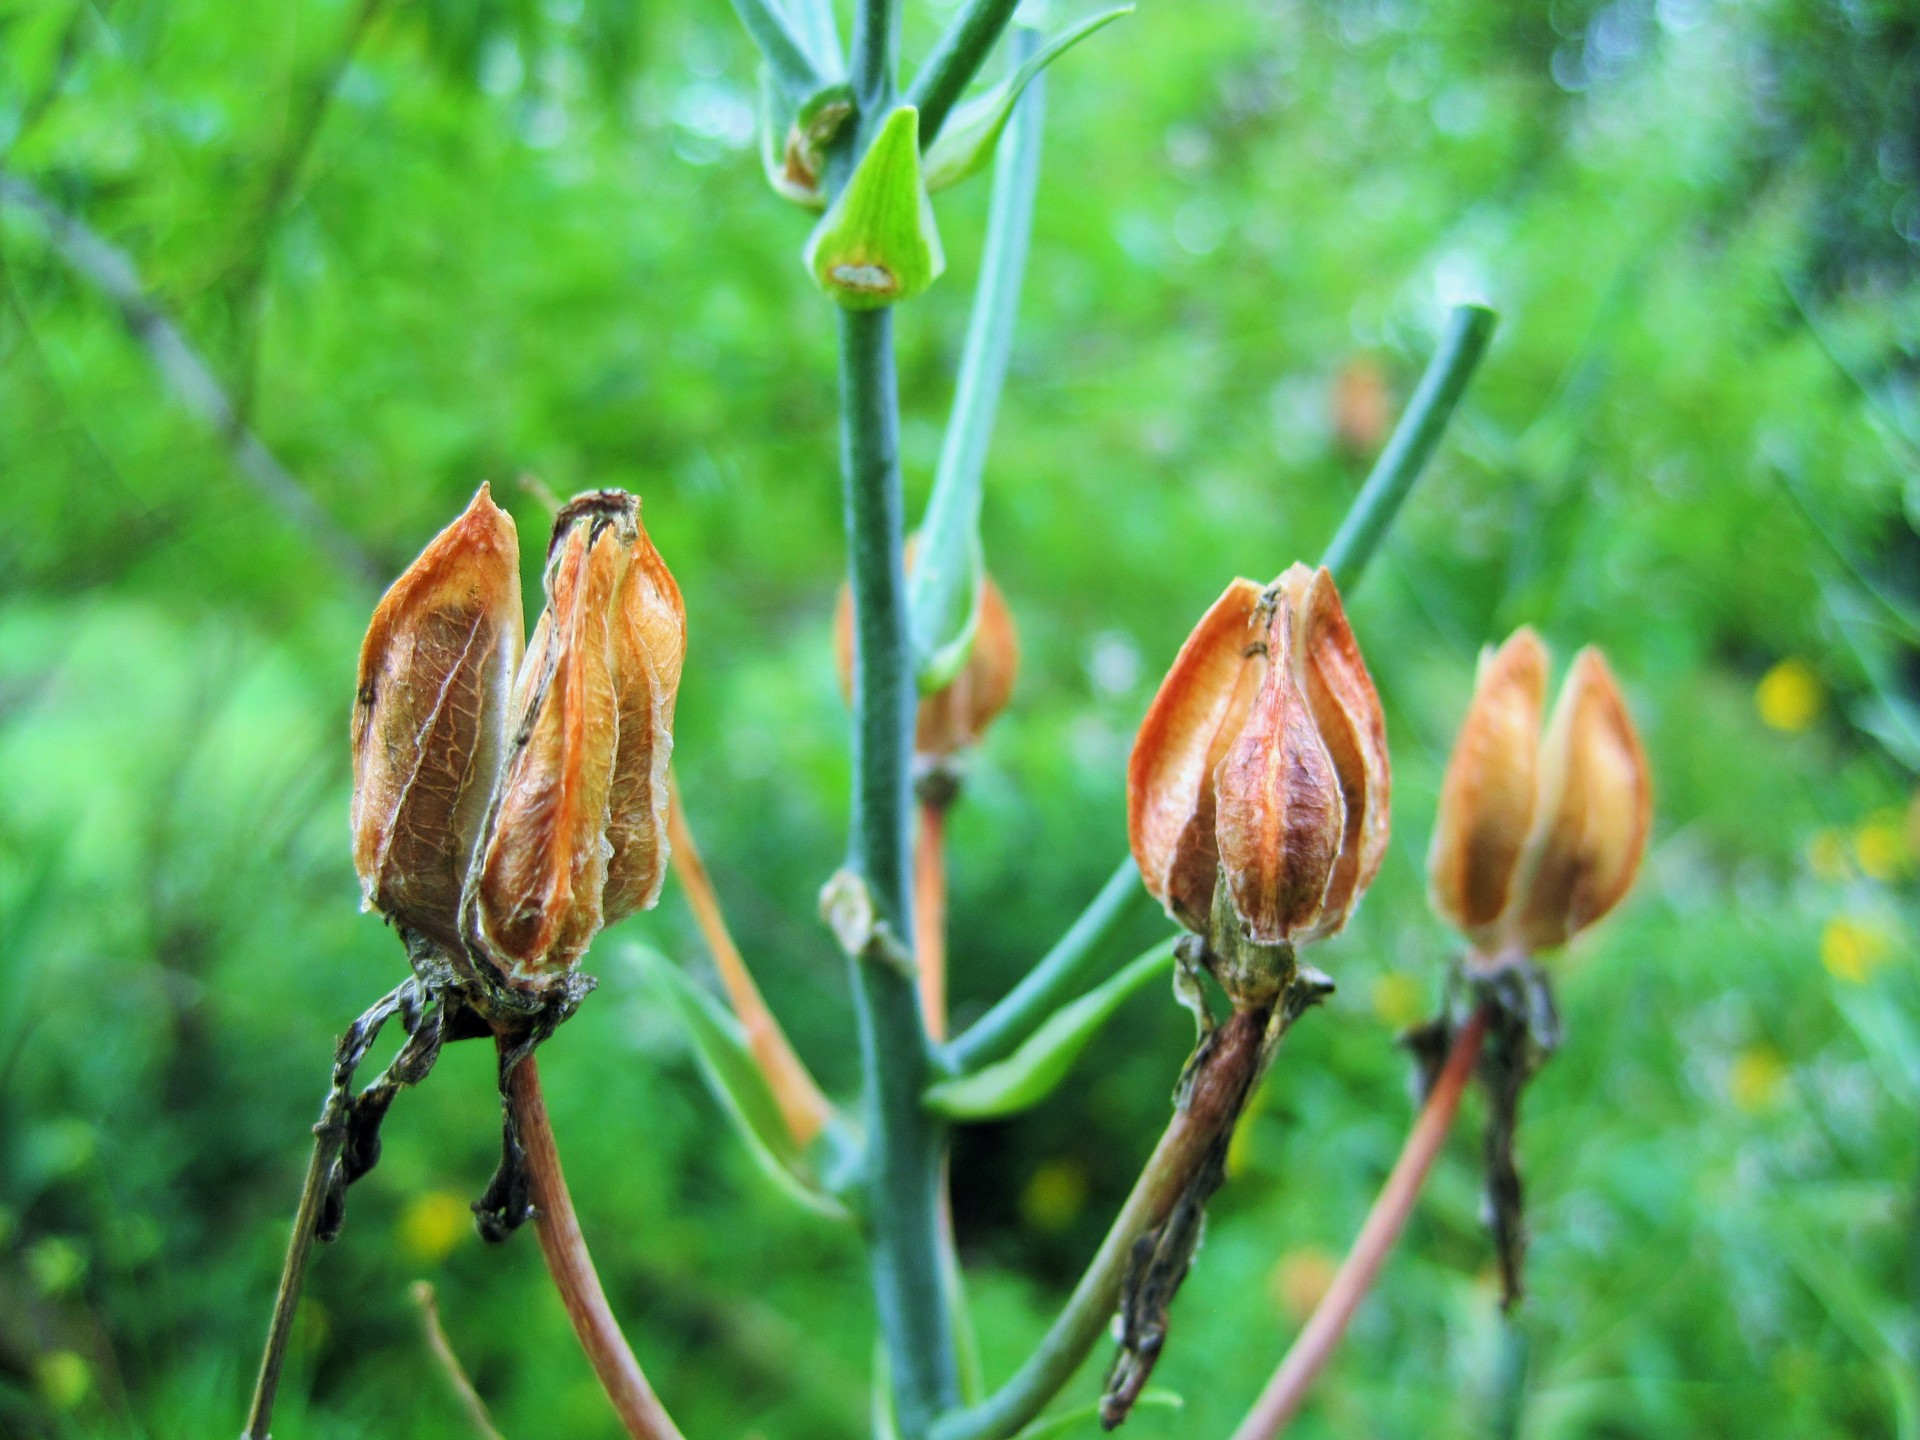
<point>954,717</point>
<point>577,833</point>
<point>1262,767</point>
<point>430,719</point>
<point>1536,840</point>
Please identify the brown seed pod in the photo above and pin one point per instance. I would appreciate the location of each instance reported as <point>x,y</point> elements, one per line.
<point>430,719</point>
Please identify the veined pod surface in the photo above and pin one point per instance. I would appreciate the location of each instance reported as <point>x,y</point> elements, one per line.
<point>430,719</point>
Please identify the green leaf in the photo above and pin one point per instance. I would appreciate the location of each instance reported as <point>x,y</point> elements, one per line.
<point>720,1046</point>
<point>1032,1072</point>
<point>966,142</point>
<point>877,245</point>
<point>1073,1419</point>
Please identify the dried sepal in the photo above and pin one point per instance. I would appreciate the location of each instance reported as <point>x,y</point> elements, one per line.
<point>1348,718</point>
<point>536,892</point>
<point>1596,809</point>
<point>1170,797</point>
<point>1488,797</point>
<point>430,718</point>
<point>649,646</point>
<point>1281,815</point>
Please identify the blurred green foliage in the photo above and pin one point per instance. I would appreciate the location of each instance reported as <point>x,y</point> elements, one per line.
<point>426,244</point>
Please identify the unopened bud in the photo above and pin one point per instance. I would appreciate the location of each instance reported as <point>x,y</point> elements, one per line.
<point>1536,841</point>
<point>796,165</point>
<point>1261,769</point>
<point>430,719</point>
<point>878,244</point>
<point>953,718</point>
<point>578,828</point>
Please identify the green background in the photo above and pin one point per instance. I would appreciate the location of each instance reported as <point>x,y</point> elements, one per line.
<point>425,244</point>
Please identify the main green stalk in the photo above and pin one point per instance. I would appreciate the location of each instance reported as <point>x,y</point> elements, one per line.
<point>904,1142</point>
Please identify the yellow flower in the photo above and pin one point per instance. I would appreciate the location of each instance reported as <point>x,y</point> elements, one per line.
<point>1852,949</point>
<point>1054,1196</point>
<point>1398,1000</point>
<point>1881,847</point>
<point>1756,1079</point>
<point>433,1224</point>
<point>64,1378</point>
<point>1300,1280</point>
<point>1827,856</point>
<point>1789,696</point>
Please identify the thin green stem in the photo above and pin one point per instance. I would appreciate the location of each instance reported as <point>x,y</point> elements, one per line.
<point>944,78</point>
<point>905,1142</point>
<point>781,45</point>
<point>876,46</point>
<point>943,583</point>
<point>328,1138</point>
<point>1464,340</point>
<point>1072,964</point>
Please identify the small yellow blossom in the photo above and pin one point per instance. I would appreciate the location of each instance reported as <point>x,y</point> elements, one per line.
<point>1881,848</point>
<point>1789,696</point>
<point>1852,949</point>
<point>1827,856</point>
<point>1300,1280</point>
<point>64,1378</point>
<point>1398,1000</point>
<point>1054,1196</point>
<point>433,1224</point>
<point>1757,1078</point>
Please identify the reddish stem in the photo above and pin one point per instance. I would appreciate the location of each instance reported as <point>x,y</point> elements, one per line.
<point>572,1269</point>
<point>1286,1392</point>
<point>930,917</point>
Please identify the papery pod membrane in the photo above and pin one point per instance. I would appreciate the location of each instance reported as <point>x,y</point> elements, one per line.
<point>537,892</point>
<point>430,718</point>
<point>1193,718</point>
<point>1596,808</point>
<point>1281,813</point>
<point>1347,715</point>
<point>649,646</point>
<point>1491,789</point>
<point>954,717</point>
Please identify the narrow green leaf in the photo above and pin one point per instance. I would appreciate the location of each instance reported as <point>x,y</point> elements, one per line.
<point>1070,1420</point>
<point>720,1047</point>
<point>878,244</point>
<point>967,141</point>
<point>1032,1072</point>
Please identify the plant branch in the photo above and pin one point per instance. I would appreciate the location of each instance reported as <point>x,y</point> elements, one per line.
<point>1071,964</point>
<point>441,1348</point>
<point>111,271</point>
<point>930,917</point>
<point>802,1104</point>
<point>572,1269</point>
<point>1463,342</point>
<point>945,579</point>
<point>328,1141</point>
<point>782,46</point>
<point>1212,1095</point>
<point>1314,1346</point>
<point>905,1143</point>
<point>955,60</point>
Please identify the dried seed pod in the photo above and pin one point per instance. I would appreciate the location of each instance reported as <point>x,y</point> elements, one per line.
<point>1262,763</point>
<point>954,717</point>
<point>577,835</point>
<point>430,719</point>
<point>1534,842</point>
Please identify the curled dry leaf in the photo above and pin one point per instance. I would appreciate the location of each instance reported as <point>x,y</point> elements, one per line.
<point>430,718</point>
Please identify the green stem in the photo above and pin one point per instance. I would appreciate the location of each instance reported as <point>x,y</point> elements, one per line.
<point>905,1142</point>
<point>876,43</point>
<point>955,61</point>
<point>1063,971</point>
<point>783,48</point>
<point>1462,343</point>
<point>944,577</point>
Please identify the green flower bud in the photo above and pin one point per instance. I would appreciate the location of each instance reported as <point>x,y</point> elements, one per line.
<point>878,244</point>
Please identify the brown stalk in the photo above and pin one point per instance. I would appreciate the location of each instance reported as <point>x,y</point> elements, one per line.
<point>1286,1392</point>
<point>572,1269</point>
<point>802,1105</point>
